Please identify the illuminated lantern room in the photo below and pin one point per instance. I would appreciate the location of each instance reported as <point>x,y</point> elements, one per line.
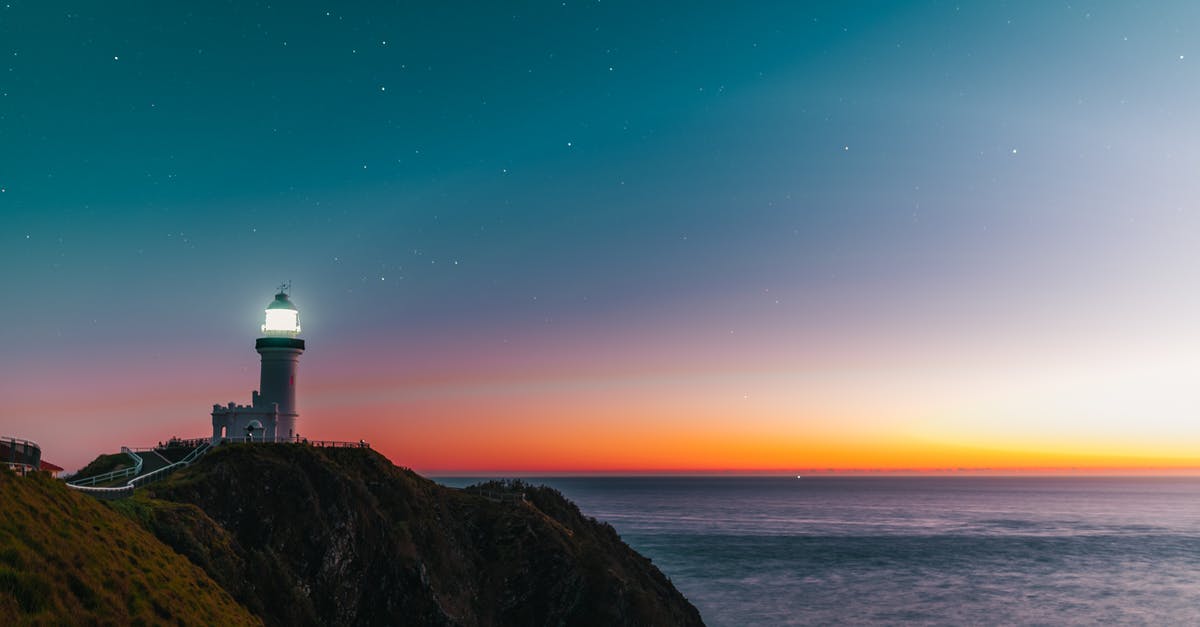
<point>283,320</point>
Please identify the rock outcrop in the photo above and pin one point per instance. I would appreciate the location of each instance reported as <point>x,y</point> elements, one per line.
<point>303,535</point>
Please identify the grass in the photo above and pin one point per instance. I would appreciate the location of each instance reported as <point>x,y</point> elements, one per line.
<point>66,558</point>
<point>103,464</point>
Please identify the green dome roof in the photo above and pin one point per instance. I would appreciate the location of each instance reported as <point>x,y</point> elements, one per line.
<point>281,302</point>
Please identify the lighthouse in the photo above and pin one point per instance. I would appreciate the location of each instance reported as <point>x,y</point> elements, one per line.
<point>271,415</point>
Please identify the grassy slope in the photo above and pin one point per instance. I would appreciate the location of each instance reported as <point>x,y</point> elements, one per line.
<point>103,464</point>
<point>66,558</point>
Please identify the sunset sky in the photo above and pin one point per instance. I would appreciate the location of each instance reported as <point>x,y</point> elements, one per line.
<point>611,236</point>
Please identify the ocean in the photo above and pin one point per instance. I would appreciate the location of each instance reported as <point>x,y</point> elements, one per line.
<point>913,550</point>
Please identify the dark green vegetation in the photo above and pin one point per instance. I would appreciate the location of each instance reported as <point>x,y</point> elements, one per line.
<point>66,558</point>
<point>105,463</point>
<point>301,535</point>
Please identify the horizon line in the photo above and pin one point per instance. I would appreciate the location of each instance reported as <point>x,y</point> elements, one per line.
<point>828,472</point>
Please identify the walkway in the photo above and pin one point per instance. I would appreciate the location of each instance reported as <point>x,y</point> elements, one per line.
<point>149,465</point>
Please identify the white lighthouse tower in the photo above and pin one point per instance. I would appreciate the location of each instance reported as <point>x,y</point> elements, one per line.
<point>271,415</point>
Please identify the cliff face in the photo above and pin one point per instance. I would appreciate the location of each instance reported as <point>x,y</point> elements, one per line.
<point>68,559</point>
<point>301,535</point>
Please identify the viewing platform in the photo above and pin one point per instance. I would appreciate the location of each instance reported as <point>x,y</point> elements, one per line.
<point>20,455</point>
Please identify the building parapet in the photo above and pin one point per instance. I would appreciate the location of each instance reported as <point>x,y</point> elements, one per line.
<point>20,455</point>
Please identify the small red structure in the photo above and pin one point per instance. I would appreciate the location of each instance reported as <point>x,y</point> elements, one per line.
<point>53,469</point>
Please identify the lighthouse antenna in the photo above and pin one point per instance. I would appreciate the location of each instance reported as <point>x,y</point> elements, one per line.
<point>285,288</point>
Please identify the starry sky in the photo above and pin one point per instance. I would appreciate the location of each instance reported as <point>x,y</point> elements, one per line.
<point>611,236</point>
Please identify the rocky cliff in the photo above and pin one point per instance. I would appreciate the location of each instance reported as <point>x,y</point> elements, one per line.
<point>302,535</point>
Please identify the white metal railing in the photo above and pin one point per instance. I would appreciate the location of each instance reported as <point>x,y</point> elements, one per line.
<point>166,470</point>
<point>121,491</point>
<point>102,492</point>
<point>13,440</point>
<point>89,486</point>
<point>134,470</point>
<point>19,454</point>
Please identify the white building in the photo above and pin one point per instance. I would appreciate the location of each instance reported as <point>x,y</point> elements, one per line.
<point>271,414</point>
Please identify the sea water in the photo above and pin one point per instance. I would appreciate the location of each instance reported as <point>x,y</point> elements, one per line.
<point>927,550</point>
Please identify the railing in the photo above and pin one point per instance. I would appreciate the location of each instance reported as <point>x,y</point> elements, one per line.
<point>305,441</point>
<point>113,475</point>
<point>20,455</point>
<point>106,493</point>
<point>166,470</point>
<point>497,495</point>
<point>116,492</point>
<point>179,443</point>
<point>194,455</point>
<point>89,486</point>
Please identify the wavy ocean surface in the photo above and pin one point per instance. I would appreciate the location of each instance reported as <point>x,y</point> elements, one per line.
<point>928,550</point>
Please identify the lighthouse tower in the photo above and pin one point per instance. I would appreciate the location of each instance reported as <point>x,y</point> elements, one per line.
<point>271,415</point>
<point>280,350</point>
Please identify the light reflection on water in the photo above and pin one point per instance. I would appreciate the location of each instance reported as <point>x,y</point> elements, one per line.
<point>931,550</point>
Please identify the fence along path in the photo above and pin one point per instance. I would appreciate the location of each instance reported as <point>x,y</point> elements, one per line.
<point>90,485</point>
<point>120,491</point>
<point>109,477</point>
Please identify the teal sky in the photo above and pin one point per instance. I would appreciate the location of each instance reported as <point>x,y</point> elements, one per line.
<point>590,190</point>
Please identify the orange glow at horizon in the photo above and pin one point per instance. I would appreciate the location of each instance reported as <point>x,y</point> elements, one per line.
<point>661,403</point>
<point>697,424</point>
<point>625,407</point>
